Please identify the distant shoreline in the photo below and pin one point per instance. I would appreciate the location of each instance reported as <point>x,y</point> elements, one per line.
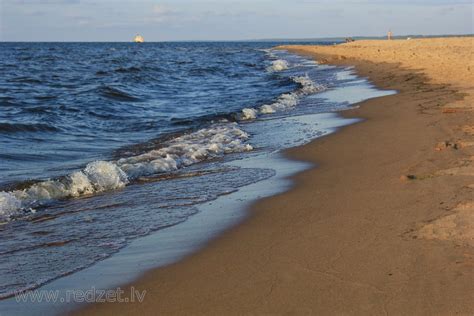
<point>275,40</point>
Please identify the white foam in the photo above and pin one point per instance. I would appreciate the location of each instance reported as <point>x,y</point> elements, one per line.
<point>307,85</point>
<point>104,175</point>
<point>207,143</point>
<point>284,102</point>
<point>248,114</point>
<point>80,184</point>
<point>9,204</point>
<point>188,149</point>
<point>347,74</point>
<point>98,176</point>
<point>289,100</point>
<point>278,65</point>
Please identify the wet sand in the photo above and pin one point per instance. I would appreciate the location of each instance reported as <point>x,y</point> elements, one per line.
<point>382,225</point>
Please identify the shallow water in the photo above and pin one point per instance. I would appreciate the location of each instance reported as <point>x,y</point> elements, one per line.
<point>112,142</point>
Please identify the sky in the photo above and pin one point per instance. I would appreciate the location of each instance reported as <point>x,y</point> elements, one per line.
<point>176,20</point>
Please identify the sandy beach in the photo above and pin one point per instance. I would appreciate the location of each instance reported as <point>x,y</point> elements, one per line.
<point>383,223</point>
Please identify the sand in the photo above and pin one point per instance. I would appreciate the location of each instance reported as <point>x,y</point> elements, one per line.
<point>383,225</point>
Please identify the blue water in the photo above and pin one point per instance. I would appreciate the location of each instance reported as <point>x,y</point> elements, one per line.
<point>101,143</point>
<point>63,105</point>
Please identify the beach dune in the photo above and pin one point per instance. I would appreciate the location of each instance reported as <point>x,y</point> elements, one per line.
<point>383,224</point>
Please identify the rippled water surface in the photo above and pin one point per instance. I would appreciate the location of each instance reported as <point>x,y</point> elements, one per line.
<point>103,143</point>
<point>63,105</point>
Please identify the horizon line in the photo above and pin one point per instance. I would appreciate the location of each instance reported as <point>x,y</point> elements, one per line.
<point>276,39</point>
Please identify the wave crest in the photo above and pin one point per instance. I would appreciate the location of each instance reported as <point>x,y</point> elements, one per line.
<point>278,65</point>
<point>188,149</point>
<point>286,100</point>
<point>99,176</point>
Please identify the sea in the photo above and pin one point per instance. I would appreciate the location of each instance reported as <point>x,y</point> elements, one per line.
<point>104,144</point>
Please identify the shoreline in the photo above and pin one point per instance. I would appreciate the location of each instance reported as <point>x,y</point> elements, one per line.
<point>337,242</point>
<point>174,243</point>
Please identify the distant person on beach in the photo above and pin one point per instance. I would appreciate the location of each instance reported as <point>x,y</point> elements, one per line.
<point>389,35</point>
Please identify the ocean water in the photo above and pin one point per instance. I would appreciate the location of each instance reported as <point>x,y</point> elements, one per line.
<point>102,143</point>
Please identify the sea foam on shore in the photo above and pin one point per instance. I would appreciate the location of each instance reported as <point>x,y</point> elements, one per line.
<point>100,176</point>
<point>185,150</point>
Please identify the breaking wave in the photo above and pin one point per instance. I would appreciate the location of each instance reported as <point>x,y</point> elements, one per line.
<point>219,138</point>
<point>278,65</point>
<point>99,176</point>
<point>285,101</point>
<point>188,149</point>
